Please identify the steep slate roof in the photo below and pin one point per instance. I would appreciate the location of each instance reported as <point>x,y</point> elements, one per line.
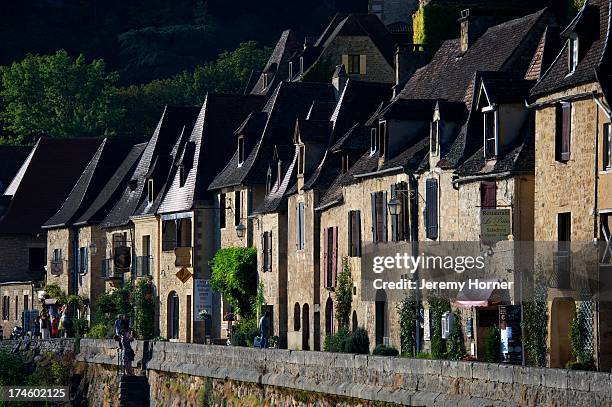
<point>290,101</point>
<point>155,162</point>
<point>277,66</point>
<point>509,46</point>
<point>275,200</point>
<point>592,26</point>
<point>113,189</point>
<point>102,166</point>
<point>11,159</point>
<point>209,148</point>
<point>44,181</point>
<point>358,101</point>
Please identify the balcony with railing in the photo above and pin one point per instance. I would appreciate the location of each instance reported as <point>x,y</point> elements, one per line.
<point>143,266</point>
<point>108,270</point>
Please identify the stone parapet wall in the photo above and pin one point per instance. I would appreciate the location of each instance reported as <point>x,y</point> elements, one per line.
<point>58,346</point>
<point>374,378</point>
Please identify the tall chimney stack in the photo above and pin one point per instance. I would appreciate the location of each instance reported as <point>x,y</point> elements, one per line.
<point>472,27</point>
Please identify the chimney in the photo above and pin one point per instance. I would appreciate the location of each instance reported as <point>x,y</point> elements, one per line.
<point>408,58</point>
<point>472,27</point>
<point>339,80</point>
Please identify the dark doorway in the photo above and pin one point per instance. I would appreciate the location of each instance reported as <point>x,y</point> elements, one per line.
<point>173,315</point>
<point>305,327</point>
<point>380,315</point>
<point>329,317</point>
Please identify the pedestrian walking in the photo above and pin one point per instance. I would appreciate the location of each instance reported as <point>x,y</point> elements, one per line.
<point>128,352</point>
<point>264,328</point>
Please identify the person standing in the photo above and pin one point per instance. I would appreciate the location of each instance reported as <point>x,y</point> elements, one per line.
<point>45,324</point>
<point>264,328</point>
<point>128,352</point>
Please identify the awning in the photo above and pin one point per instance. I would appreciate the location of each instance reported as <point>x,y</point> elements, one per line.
<point>468,298</point>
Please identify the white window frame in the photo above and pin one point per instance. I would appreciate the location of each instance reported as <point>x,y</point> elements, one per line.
<point>486,111</point>
<point>573,49</point>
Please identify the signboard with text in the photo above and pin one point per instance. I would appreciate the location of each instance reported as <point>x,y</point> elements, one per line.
<point>202,299</point>
<point>495,225</point>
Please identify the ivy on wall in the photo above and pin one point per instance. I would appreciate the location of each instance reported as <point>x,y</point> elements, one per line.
<point>143,302</point>
<point>344,295</point>
<point>437,307</point>
<point>407,320</point>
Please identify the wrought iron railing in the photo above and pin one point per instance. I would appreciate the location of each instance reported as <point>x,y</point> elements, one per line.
<point>143,265</point>
<point>108,270</point>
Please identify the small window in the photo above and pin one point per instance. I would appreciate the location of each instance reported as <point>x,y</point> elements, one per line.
<point>373,141</point>
<point>279,173</point>
<point>607,147</point>
<point>265,81</point>
<point>379,216</point>
<point>290,70</point>
<point>240,150</point>
<point>353,64</point>
<point>354,234</point>
<point>563,130</point>
<point>345,163</point>
<point>435,128</point>
<point>237,207</point>
<point>301,159</point>
<point>222,208</point>
<point>384,139</point>
<point>269,181</point>
<point>431,208</point>
<point>57,254</point>
<point>150,195</point>
<point>573,55</point>
<point>296,317</point>
<point>266,244</point>
<point>299,226</point>
<point>301,65</point>
<point>490,134</point>
<point>6,307</point>
<point>26,301</point>
<point>488,195</point>
<point>16,308</point>
<point>83,260</point>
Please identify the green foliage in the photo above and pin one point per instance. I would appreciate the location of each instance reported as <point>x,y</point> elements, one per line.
<point>55,292</point>
<point>234,275</point>
<point>143,302</point>
<point>573,365</point>
<point>407,320</point>
<point>228,74</point>
<point>455,347</point>
<point>60,96</point>
<point>423,355</point>
<point>244,332</point>
<point>259,301</point>
<point>580,336</point>
<point>112,303</point>
<point>357,342</point>
<point>335,342</point>
<point>435,23</point>
<point>384,350</point>
<point>344,295</point>
<point>12,369</point>
<point>100,331</point>
<point>437,307</point>
<point>492,345</point>
<point>535,328</point>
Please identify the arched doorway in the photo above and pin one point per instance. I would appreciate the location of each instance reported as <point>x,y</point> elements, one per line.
<point>329,317</point>
<point>305,327</point>
<point>561,313</point>
<point>381,316</point>
<point>296,317</point>
<point>173,315</point>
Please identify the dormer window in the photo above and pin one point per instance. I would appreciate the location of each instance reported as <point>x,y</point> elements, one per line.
<point>301,65</point>
<point>240,150</point>
<point>384,139</point>
<point>490,133</point>
<point>278,171</point>
<point>150,195</point>
<point>435,131</point>
<point>573,53</point>
<point>265,81</point>
<point>345,163</point>
<point>373,141</point>
<point>301,159</point>
<point>269,181</point>
<point>290,70</point>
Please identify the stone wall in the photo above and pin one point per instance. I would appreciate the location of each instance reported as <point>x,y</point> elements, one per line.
<point>351,379</point>
<point>20,297</point>
<point>57,346</point>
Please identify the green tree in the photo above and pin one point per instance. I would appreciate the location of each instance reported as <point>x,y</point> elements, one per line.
<point>455,346</point>
<point>437,307</point>
<point>234,275</point>
<point>407,320</point>
<point>344,295</point>
<point>59,96</point>
<point>143,302</point>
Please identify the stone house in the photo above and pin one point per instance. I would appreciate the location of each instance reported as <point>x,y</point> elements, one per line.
<point>241,185</point>
<point>188,214</point>
<point>133,231</point>
<point>73,261</point>
<point>316,171</point>
<point>36,192</point>
<point>572,185</point>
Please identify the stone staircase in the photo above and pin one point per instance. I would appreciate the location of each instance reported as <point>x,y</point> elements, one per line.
<point>133,391</point>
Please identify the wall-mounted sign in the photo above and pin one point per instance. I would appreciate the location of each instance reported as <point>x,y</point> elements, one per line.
<point>510,330</point>
<point>122,258</point>
<point>495,225</point>
<point>202,304</point>
<point>183,275</point>
<point>183,257</point>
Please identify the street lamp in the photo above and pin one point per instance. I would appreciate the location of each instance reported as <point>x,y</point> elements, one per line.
<point>240,229</point>
<point>394,207</point>
<point>93,249</point>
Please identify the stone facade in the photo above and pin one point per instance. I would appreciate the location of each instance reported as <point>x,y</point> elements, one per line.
<point>582,188</point>
<point>60,258</point>
<point>274,280</point>
<point>15,298</point>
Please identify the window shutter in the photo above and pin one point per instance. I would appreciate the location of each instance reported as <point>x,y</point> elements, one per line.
<point>350,234</point>
<point>404,223</point>
<point>86,259</point>
<point>374,224</point>
<point>432,208</point>
<point>488,195</point>
<point>394,219</point>
<point>264,252</point>
<point>269,251</point>
<point>383,213</point>
<point>334,270</point>
<point>362,64</point>
<point>345,61</point>
<point>358,232</point>
<point>567,123</point>
<point>326,257</point>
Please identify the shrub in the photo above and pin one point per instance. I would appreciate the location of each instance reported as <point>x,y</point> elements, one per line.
<point>492,346</point>
<point>335,342</point>
<point>344,295</point>
<point>455,348</point>
<point>407,320</point>
<point>437,307</point>
<point>100,331</point>
<point>423,355</point>
<point>234,275</point>
<point>244,332</point>
<point>581,336</point>
<point>573,365</point>
<point>144,309</point>
<point>384,350</point>
<point>357,342</point>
